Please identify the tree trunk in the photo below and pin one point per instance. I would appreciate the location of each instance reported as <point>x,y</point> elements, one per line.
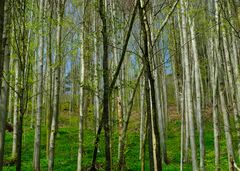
<point>198,93</point>
<point>4,95</point>
<point>81,98</point>
<point>15,110</point>
<point>50,79</point>
<point>2,2</point>
<point>106,116</point>
<point>188,88</point>
<point>37,139</point>
<point>57,71</point>
<point>150,80</point>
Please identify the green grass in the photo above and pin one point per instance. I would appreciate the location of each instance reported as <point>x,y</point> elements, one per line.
<point>67,147</point>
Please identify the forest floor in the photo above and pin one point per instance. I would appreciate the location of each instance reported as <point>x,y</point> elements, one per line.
<point>67,145</point>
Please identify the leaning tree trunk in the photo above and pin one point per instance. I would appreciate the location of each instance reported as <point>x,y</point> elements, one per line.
<point>151,89</point>
<point>125,126</point>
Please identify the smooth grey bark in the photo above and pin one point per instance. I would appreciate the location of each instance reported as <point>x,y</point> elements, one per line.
<point>37,138</point>
<point>57,71</point>
<point>15,110</point>
<point>96,80</point>
<point>188,87</point>
<point>2,4</point>
<point>81,96</point>
<point>49,110</point>
<point>215,71</point>
<point>142,123</point>
<point>198,93</point>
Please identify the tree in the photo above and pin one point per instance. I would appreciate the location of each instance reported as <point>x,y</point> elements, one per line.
<point>188,97</point>
<point>37,140</point>
<point>57,71</point>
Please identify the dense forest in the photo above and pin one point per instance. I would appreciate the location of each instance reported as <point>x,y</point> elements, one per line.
<point>120,85</point>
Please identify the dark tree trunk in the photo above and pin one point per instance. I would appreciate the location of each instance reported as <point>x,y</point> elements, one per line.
<point>149,79</point>
<point>106,86</point>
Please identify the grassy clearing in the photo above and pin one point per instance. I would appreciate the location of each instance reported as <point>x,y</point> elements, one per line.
<point>67,146</point>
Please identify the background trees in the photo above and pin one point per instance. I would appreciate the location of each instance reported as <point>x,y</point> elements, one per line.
<point>160,77</point>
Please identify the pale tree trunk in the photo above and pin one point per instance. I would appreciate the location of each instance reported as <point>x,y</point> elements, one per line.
<point>2,2</point>
<point>37,139</point>
<point>159,101</point>
<point>96,85</point>
<point>163,92</point>
<point>236,79</point>
<point>34,89</point>
<point>50,78</point>
<point>198,93</point>
<point>222,88</point>
<point>142,124</point>
<point>213,79</point>
<point>11,84</point>
<point>230,83</point>
<point>184,105</point>
<point>226,126</point>
<point>188,88</point>
<point>15,110</point>
<point>57,71</point>
<point>81,97</point>
<point>183,123</point>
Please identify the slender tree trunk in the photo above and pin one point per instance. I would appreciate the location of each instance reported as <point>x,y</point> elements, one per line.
<point>2,4</point>
<point>198,94</point>
<point>188,88</point>
<point>4,95</point>
<point>37,139</point>
<point>50,79</point>
<point>81,98</point>
<point>57,71</point>
<point>115,76</point>
<point>106,116</point>
<point>226,126</point>
<point>123,132</point>
<point>150,80</point>
<point>96,94</point>
<point>183,124</point>
<point>142,122</point>
<point>15,110</point>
